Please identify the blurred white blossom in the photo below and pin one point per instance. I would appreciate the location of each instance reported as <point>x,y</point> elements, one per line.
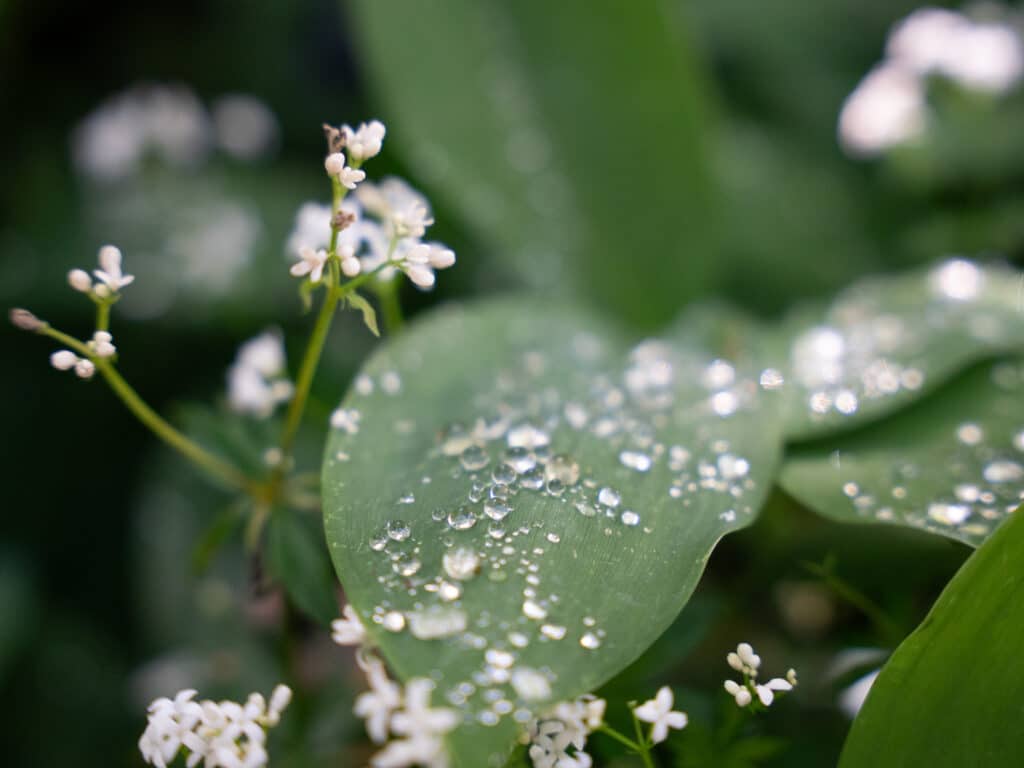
<point>220,734</point>
<point>349,629</point>
<point>567,724</point>
<point>365,141</point>
<point>257,380</point>
<point>747,662</point>
<point>245,127</point>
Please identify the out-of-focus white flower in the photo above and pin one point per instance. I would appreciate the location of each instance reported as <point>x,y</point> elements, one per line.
<point>766,692</point>
<point>311,263</point>
<point>377,705</point>
<point>365,141</point>
<point>111,275</point>
<point>245,127</point>
<point>79,280</point>
<point>658,711</point>
<point>420,261</point>
<point>983,56</point>
<point>852,698</point>
<point>63,360</point>
<point>312,228</point>
<point>221,734</point>
<point>350,265</point>
<point>421,728</point>
<point>887,108</point>
<point>348,630</point>
<point>102,344</point>
<point>256,380</point>
<point>566,724</point>
<point>403,210</point>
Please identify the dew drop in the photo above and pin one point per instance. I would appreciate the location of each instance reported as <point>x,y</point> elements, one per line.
<point>455,440</point>
<point>530,685</point>
<point>532,480</point>
<point>393,621</point>
<point>969,434</point>
<point>949,514</point>
<point>553,631</point>
<point>437,621</point>
<point>397,530</point>
<point>629,517</point>
<point>520,460</point>
<point>527,436</point>
<point>534,610</point>
<point>499,658</point>
<point>553,537</point>
<point>609,497</point>
<point>497,510</point>
<point>590,641</point>
<point>563,469</point>
<point>474,458</point>
<point>462,519</point>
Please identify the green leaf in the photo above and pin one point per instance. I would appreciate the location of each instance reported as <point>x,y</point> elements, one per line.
<point>297,559</point>
<point>527,496</point>
<point>951,693</point>
<point>369,313</point>
<point>952,464</point>
<point>574,140</point>
<point>887,340</point>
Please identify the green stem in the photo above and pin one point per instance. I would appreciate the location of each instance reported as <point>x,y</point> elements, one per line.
<point>885,626</point>
<point>607,730</point>
<point>391,307</point>
<point>214,465</point>
<point>102,316</point>
<point>645,750</point>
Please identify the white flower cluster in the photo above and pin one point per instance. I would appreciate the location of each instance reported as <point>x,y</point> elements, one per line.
<point>390,710</point>
<point>566,725</point>
<point>109,278</point>
<point>659,713</point>
<point>384,225</point>
<point>219,734</point>
<point>257,381</point>
<point>889,106</point>
<point>745,661</point>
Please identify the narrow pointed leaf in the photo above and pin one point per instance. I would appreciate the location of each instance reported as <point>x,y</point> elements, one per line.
<point>529,503</point>
<point>952,464</point>
<point>950,696</point>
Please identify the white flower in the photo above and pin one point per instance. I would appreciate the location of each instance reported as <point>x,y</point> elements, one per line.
<point>348,630</point>
<point>63,360</point>
<point>79,280</point>
<point>420,260</point>
<point>365,141</point>
<point>422,728</point>
<point>85,369</point>
<point>336,168</point>
<point>350,265</point>
<point>403,210</point>
<point>311,263</point>
<point>766,692</point>
<point>658,711</point>
<point>377,704</point>
<point>256,380</point>
<point>102,344</point>
<point>110,274</point>
<point>750,659</point>
<point>224,734</point>
<point>567,724</point>
<point>739,692</point>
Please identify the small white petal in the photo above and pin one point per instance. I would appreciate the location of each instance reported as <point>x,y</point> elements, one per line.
<point>79,280</point>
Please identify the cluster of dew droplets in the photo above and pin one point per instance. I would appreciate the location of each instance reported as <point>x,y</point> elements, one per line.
<point>981,470</point>
<point>871,345</point>
<point>522,477</point>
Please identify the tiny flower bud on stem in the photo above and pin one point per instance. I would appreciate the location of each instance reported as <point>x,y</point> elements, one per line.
<point>26,321</point>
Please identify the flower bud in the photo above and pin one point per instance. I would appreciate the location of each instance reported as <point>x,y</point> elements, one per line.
<point>84,368</point>
<point>79,280</point>
<point>335,163</point>
<point>25,320</point>
<point>64,360</point>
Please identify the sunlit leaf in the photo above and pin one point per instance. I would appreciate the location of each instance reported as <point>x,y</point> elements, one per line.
<point>887,340</point>
<point>529,503</point>
<point>952,463</point>
<point>950,696</point>
<point>574,140</point>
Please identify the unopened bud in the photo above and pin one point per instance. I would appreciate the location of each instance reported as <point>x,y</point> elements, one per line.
<point>26,321</point>
<point>335,164</point>
<point>79,280</point>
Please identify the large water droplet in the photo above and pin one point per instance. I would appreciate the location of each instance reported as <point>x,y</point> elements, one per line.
<point>609,497</point>
<point>474,458</point>
<point>462,519</point>
<point>397,530</point>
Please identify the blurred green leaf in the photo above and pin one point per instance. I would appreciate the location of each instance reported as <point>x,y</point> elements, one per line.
<point>887,340</point>
<point>297,558</point>
<point>20,608</point>
<point>571,136</point>
<point>950,694</point>
<point>950,464</point>
<point>508,479</point>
